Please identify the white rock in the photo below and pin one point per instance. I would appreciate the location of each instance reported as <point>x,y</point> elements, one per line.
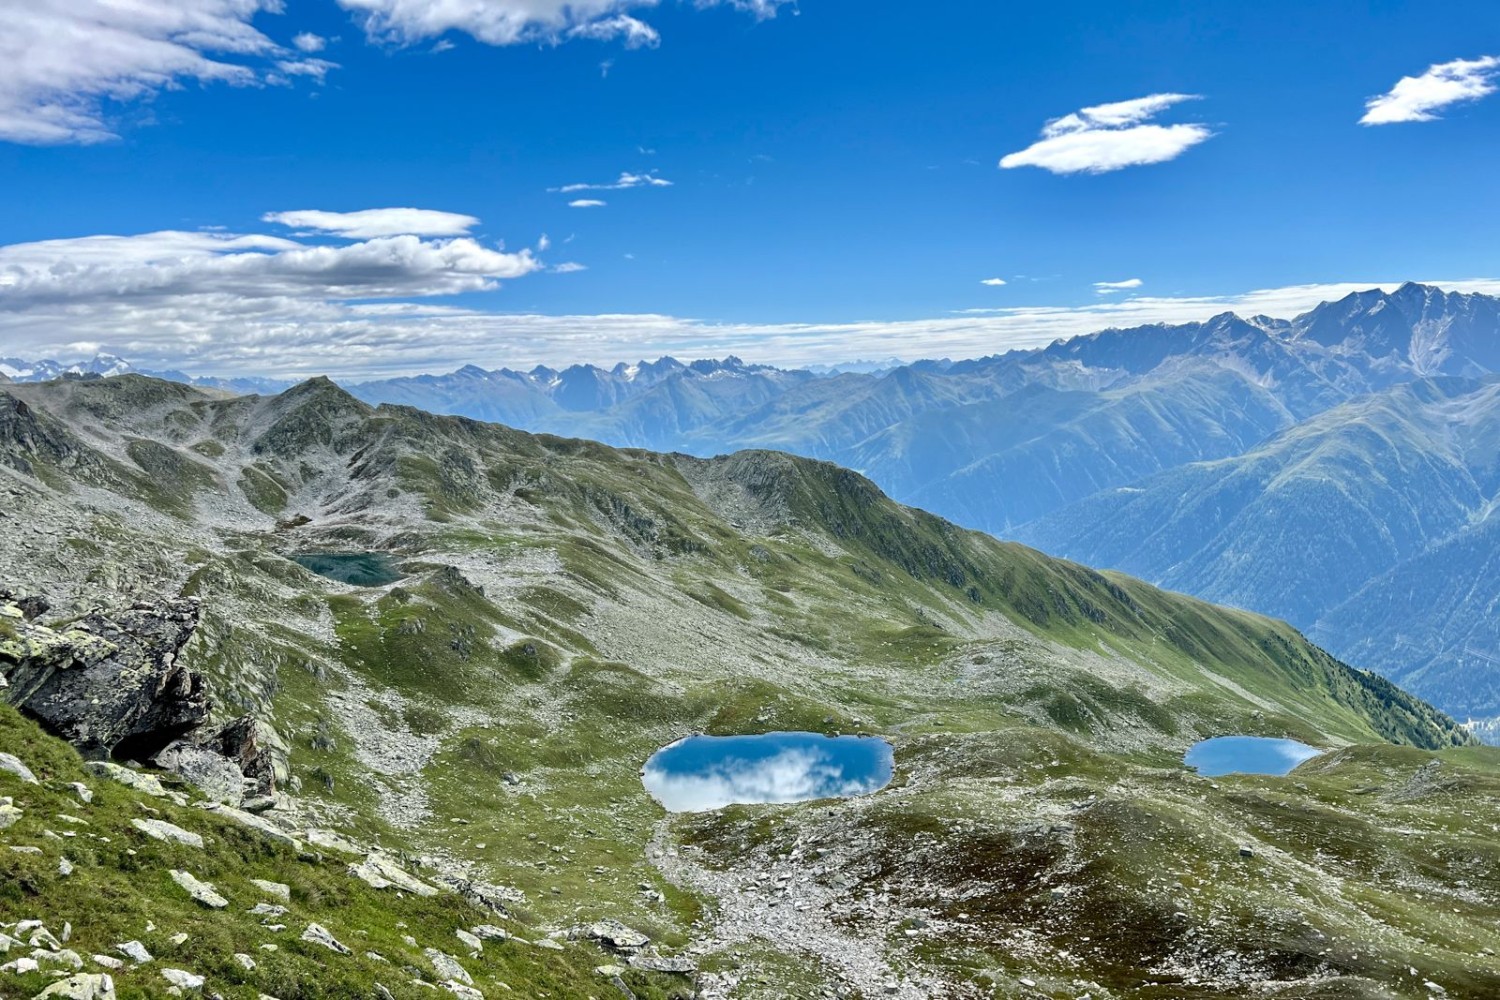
<point>447,967</point>
<point>246,962</point>
<point>182,979</point>
<point>277,889</point>
<point>9,814</point>
<point>162,830</point>
<point>460,989</point>
<point>318,934</point>
<point>135,951</point>
<point>145,783</point>
<point>108,961</point>
<point>12,764</point>
<point>384,872</point>
<point>84,793</point>
<point>20,966</point>
<point>87,986</point>
<point>469,939</point>
<point>202,892</point>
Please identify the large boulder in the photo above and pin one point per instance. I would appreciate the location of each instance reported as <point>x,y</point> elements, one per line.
<point>109,684</point>
<point>257,750</point>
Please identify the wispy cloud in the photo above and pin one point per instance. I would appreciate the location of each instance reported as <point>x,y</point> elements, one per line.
<point>626,181</point>
<point>569,267</point>
<point>1419,98</point>
<point>1110,137</point>
<point>61,60</point>
<point>512,22</point>
<point>372,222</point>
<point>1110,287</point>
<point>586,203</point>
<point>993,282</point>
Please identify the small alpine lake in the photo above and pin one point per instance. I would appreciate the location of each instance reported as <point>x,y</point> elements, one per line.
<point>1247,755</point>
<point>358,569</point>
<point>702,773</point>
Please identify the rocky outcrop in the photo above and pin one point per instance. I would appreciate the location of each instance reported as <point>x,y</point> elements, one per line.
<point>109,684</point>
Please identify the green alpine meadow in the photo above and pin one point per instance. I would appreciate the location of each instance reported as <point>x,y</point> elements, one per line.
<point>417,764</point>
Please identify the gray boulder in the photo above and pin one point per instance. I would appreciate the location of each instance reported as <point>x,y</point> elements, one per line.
<point>217,777</point>
<point>108,684</point>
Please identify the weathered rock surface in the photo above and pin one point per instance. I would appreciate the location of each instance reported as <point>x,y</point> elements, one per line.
<point>318,934</point>
<point>108,684</point>
<point>217,777</point>
<point>202,892</point>
<point>257,750</point>
<point>86,986</point>
<point>11,764</point>
<point>162,830</point>
<point>384,872</point>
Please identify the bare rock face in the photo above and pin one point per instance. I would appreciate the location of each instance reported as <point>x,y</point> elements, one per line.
<point>257,750</point>
<point>110,684</point>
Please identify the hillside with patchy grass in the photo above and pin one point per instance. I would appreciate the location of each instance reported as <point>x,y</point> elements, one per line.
<point>561,609</point>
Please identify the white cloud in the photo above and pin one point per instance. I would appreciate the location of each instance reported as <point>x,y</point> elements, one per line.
<point>1110,287</point>
<point>306,41</point>
<point>993,282</point>
<point>793,775</point>
<point>1110,137</point>
<point>1418,98</point>
<point>260,304</point>
<point>64,62</point>
<point>634,33</point>
<point>169,264</point>
<point>511,22</point>
<point>627,180</point>
<point>586,203</point>
<point>372,222</point>
<point>569,267</point>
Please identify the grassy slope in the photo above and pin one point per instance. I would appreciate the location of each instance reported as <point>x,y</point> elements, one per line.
<point>627,602</point>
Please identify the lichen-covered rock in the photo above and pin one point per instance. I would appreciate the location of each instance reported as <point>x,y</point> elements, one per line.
<point>9,814</point>
<point>109,684</point>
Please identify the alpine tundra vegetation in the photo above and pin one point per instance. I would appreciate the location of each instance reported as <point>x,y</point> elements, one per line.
<point>435,779</point>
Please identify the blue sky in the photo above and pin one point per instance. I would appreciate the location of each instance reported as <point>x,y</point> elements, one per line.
<point>834,188</point>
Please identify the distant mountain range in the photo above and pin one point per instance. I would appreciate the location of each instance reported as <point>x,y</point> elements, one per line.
<point>1340,469</point>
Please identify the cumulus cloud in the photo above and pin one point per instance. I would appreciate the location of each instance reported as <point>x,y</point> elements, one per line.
<point>586,203</point>
<point>1419,98</point>
<point>64,62</point>
<point>793,775</point>
<point>306,41</point>
<point>511,22</point>
<point>993,282</point>
<point>372,222</point>
<point>626,181</point>
<point>1110,137</point>
<point>1110,287</point>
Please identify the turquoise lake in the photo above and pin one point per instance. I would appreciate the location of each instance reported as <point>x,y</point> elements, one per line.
<point>358,569</point>
<point>1247,755</point>
<point>709,772</point>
